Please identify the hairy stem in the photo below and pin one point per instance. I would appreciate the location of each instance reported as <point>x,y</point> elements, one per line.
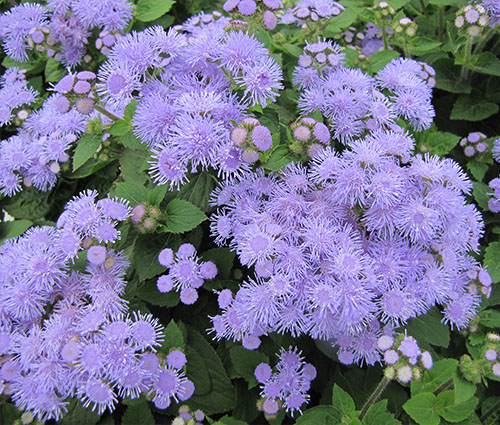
<point>106,113</point>
<point>465,66</point>
<point>441,23</point>
<point>374,396</point>
<point>479,46</point>
<point>384,35</point>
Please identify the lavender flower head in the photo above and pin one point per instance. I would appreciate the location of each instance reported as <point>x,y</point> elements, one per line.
<point>14,92</point>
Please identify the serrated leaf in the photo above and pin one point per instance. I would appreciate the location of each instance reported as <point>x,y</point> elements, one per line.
<point>420,45</point>
<point>214,392</point>
<point>138,414</point>
<point>492,260</point>
<point>130,141</point>
<point>86,148</point>
<point>380,59</point>
<point>119,128</point>
<point>149,10</point>
<point>198,190</point>
<point>451,411</point>
<point>129,112</point>
<point>421,409</point>
<point>279,158</point>
<point>463,390</point>
<point>378,414</point>
<point>11,229</point>
<point>490,318</point>
<point>156,195</point>
<point>441,142</point>
<point>223,258</point>
<point>480,193</point>
<point>470,108</point>
<point>133,192</point>
<point>441,372</point>
<point>342,401</point>
<point>173,337</point>
<point>326,415</point>
<point>79,415</point>
<point>150,293</point>
<point>145,257</point>
<point>448,77</point>
<point>54,71</point>
<point>485,63</point>
<point>227,420</point>
<point>429,328</point>
<point>183,216</point>
<point>245,361</point>
<point>477,169</point>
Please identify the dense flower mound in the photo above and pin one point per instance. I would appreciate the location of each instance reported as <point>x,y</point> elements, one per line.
<point>14,92</point>
<point>360,239</point>
<point>354,102</point>
<point>65,330</point>
<point>286,387</point>
<point>61,29</point>
<point>309,11</point>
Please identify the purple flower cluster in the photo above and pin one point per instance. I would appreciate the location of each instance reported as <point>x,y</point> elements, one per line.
<point>311,11</point>
<point>318,60</point>
<point>61,29</point>
<point>67,333</point>
<point>353,102</point>
<point>286,387</point>
<point>14,92</point>
<point>494,201</point>
<point>368,237</point>
<point>495,150</point>
<point>472,19</point>
<point>474,143</point>
<point>492,352</point>
<point>186,114</point>
<point>403,358</point>
<point>252,137</point>
<point>76,89</point>
<point>264,10</point>
<point>186,274</point>
<point>33,156</point>
<point>309,137</point>
<point>493,9</point>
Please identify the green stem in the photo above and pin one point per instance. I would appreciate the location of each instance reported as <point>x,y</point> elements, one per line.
<point>484,40</point>
<point>444,386</point>
<point>489,412</point>
<point>422,5</point>
<point>441,24</point>
<point>106,113</point>
<point>384,35</point>
<point>406,49</point>
<point>465,66</point>
<point>374,396</point>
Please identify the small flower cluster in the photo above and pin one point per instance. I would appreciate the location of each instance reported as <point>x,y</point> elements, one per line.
<point>309,136</point>
<point>76,90</point>
<point>253,138</point>
<point>495,150</point>
<point>492,352</point>
<point>353,102</point>
<point>286,387</point>
<point>403,358</point>
<point>318,60</point>
<point>188,417</point>
<point>260,10</point>
<point>307,11</point>
<point>61,29</point>
<point>14,92</point>
<point>493,9</point>
<point>494,201</point>
<point>471,19</point>
<point>67,333</point>
<point>357,240</point>
<point>404,29</point>
<point>33,156</point>
<point>186,274</point>
<point>473,144</point>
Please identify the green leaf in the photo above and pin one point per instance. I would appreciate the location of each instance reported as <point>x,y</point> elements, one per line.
<point>344,20</point>
<point>492,260</point>
<point>378,414</point>
<point>490,318</point>
<point>470,108</point>
<point>485,63</point>
<point>380,59</point>
<point>227,420</point>
<point>138,414</point>
<point>441,142</point>
<point>324,415</point>
<point>9,413</point>
<point>445,2</point>
<point>477,169</point>
<point>214,392</point>
<point>149,10</point>
<point>156,195</point>
<point>479,191</point>
<point>448,77</point>
<point>420,45</point>
<point>429,328</point>
<point>342,401</point>
<point>130,141</point>
<point>129,112</point>
<point>54,71</point>
<point>150,293</point>
<point>280,156</point>
<point>173,338</point>
<point>245,361</point>
<point>145,258</point>
<point>463,390</point>
<point>183,216</point>
<point>29,66</point>
<point>433,378</point>
<point>86,148</point>
<point>119,128</point>
<point>421,409</point>
<point>454,412</point>
<point>11,229</point>
<point>133,192</point>
<point>133,164</point>
<point>223,258</point>
<point>79,415</point>
<point>198,190</point>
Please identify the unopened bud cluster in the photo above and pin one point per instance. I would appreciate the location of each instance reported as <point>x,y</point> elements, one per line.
<point>253,138</point>
<point>76,89</point>
<point>471,19</point>
<point>474,143</point>
<point>187,416</point>
<point>309,136</point>
<point>403,357</point>
<point>492,352</point>
<point>261,11</point>
<point>146,217</point>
